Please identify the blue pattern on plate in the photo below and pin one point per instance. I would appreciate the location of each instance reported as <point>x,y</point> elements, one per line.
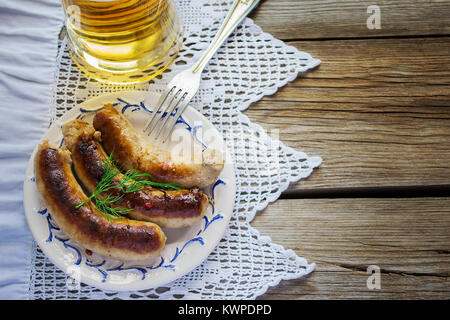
<point>64,241</point>
<point>100,266</point>
<point>51,236</point>
<point>97,266</point>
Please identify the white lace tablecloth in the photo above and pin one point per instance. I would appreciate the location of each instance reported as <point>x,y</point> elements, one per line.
<point>250,65</point>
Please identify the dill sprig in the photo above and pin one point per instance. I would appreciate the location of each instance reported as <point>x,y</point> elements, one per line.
<point>140,180</point>
<point>131,181</point>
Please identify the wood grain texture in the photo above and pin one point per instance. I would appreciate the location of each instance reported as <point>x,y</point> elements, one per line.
<point>376,111</point>
<point>318,19</point>
<point>408,239</point>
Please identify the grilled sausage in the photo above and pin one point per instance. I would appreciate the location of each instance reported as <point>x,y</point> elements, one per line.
<point>122,239</point>
<point>131,150</point>
<point>170,209</point>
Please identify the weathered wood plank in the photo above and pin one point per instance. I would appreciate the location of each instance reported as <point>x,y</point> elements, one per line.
<point>408,239</point>
<point>377,111</point>
<point>316,19</point>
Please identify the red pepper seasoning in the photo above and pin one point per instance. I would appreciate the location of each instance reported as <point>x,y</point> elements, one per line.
<point>148,205</point>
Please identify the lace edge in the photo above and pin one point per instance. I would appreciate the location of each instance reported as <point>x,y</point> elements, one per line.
<point>287,253</point>
<point>59,54</point>
<point>314,162</point>
<point>300,69</point>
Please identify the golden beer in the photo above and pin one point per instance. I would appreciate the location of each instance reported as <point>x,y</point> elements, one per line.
<point>122,41</point>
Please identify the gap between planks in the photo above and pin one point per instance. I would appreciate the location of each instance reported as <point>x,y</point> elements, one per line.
<point>407,238</point>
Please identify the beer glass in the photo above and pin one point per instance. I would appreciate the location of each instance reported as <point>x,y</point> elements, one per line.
<point>122,41</point>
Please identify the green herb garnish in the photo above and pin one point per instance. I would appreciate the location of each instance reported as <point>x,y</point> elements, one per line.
<point>132,181</point>
<point>140,180</point>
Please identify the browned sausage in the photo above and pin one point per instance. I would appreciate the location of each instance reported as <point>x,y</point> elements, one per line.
<point>170,208</point>
<point>131,150</point>
<point>122,239</point>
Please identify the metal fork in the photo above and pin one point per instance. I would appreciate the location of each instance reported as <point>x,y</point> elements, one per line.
<point>182,88</point>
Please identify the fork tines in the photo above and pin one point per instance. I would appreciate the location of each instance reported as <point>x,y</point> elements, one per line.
<point>167,104</point>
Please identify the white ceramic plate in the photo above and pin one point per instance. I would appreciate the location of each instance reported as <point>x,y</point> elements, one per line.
<point>185,249</point>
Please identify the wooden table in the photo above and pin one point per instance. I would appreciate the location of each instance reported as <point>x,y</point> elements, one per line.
<point>377,111</point>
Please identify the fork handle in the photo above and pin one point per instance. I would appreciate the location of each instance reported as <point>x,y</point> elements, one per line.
<point>239,10</point>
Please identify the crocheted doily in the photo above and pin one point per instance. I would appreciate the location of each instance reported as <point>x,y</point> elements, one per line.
<point>250,65</point>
